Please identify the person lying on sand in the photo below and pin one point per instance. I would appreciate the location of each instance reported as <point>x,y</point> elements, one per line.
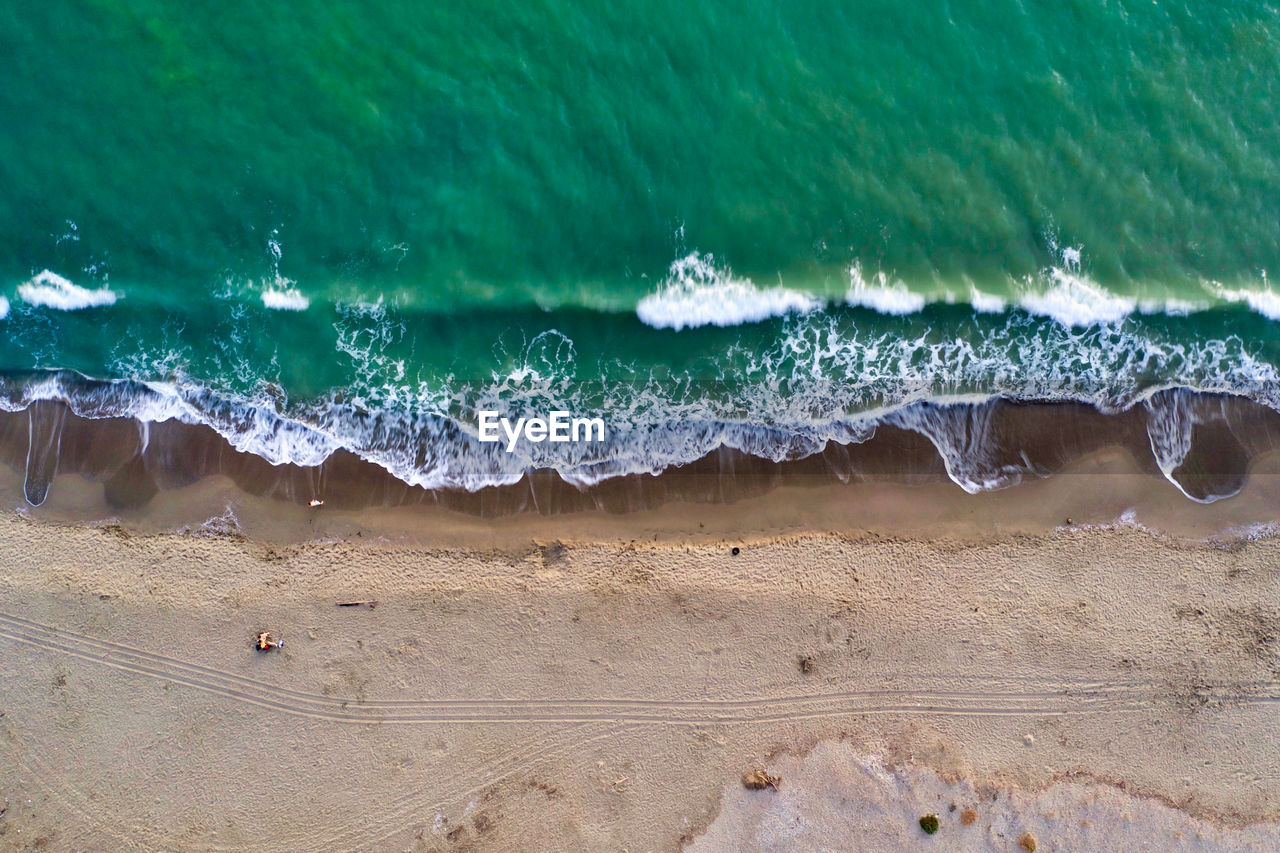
<point>266,642</point>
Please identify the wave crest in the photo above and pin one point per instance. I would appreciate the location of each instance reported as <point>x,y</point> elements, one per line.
<point>282,295</point>
<point>881,294</point>
<point>697,293</point>
<point>1264,301</point>
<point>1074,301</point>
<point>50,290</point>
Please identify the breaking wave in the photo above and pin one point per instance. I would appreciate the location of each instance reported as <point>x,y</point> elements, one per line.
<point>697,293</point>
<point>50,290</point>
<point>284,298</point>
<point>881,294</point>
<point>1073,300</point>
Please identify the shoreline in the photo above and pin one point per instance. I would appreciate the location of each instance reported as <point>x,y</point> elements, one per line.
<point>175,476</point>
<point>1104,489</point>
<point>1204,444</point>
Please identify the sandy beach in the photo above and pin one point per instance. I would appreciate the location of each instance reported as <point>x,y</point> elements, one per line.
<point>556,686</point>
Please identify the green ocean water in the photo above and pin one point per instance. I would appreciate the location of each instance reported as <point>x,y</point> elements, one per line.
<point>718,223</point>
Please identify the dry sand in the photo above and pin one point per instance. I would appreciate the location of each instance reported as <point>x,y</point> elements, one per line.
<point>610,695</point>
<point>836,799</point>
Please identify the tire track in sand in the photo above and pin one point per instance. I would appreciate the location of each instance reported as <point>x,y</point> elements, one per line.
<point>1052,699</point>
<point>133,834</point>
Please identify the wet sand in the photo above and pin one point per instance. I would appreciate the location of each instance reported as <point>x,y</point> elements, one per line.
<point>1207,446</point>
<point>600,681</point>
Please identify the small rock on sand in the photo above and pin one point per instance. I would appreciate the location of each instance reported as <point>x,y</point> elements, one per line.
<point>758,779</point>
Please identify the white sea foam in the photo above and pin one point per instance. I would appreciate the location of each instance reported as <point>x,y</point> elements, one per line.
<point>1127,520</point>
<point>51,290</point>
<point>985,303</point>
<point>1171,421</point>
<point>227,524</point>
<point>1071,257</point>
<point>962,435</point>
<point>281,295</point>
<point>1256,532</point>
<point>697,293</point>
<point>1073,300</point>
<point>4,307</point>
<point>1171,418</point>
<point>1264,301</point>
<point>881,294</point>
<point>1170,307</point>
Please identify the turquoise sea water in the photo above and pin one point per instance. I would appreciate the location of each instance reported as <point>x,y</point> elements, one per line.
<point>748,224</point>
